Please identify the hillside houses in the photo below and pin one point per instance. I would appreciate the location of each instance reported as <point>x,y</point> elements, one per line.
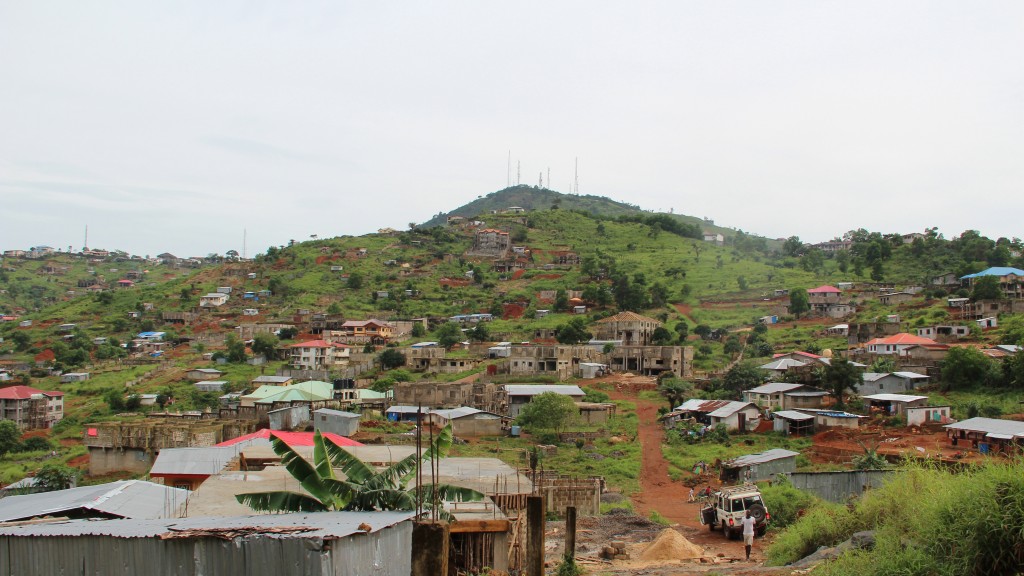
<point>1011,280</point>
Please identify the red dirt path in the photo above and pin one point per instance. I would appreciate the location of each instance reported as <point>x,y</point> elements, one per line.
<point>657,490</point>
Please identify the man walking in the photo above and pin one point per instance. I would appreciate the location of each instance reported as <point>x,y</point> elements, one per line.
<point>748,532</point>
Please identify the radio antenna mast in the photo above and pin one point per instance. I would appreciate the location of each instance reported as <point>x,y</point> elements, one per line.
<point>576,179</point>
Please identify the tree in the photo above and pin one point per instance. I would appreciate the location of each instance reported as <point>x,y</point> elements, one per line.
<point>703,330</point>
<point>733,345</point>
<point>792,246</point>
<point>36,444</point>
<point>573,332</point>
<point>10,437</point>
<point>675,391</point>
<point>418,330</point>
<point>21,341</point>
<point>986,288</point>
<point>235,350</point>
<point>363,489</point>
<point>744,376</point>
<point>115,400</point>
<point>355,281</point>
<point>391,358</point>
<point>661,336</point>
<point>839,376</point>
<point>133,402</point>
<point>265,344</point>
<point>1013,371</point>
<point>561,300</point>
<point>741,281</point>
<point>480,333</point>
<point>966,367</point>
<point>799,302</point>
<point>334,308</point>
<point>877,273</point>
<point>448,334</point>
<point>683,330</point>
<point>548,411</point>
<point>56,477</point>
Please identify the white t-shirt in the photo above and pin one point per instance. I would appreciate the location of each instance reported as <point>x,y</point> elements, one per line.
<point>748,524</point>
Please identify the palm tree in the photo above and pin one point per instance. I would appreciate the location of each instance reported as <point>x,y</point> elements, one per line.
<point>675,391</point>
<point>363,488</point>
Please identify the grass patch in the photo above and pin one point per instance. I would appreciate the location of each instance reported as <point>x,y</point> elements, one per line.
<point>682,456</point>
<point>928,521</point>
<point>657,518</point>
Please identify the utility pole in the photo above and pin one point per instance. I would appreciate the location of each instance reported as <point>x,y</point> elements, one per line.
<point>519,172</point>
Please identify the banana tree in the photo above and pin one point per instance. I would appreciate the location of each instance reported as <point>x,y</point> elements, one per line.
<point>364,488</point>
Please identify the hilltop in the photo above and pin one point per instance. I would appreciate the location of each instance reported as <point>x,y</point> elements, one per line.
<point>533,198</point>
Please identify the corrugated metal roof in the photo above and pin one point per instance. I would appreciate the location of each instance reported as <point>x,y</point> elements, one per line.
<point>535,389</point>
<point>996,271</point>
<point>326,525</point>
<point>793,415</point>
<point>271,379</point>
<point>459,412</point>
<point>700,405</point>
<point>775,388</point>
<point>782,364</point>
<point>988,425</point>
<point>198,461</point>
<point>894,397</point>
<point>125,498</point>
<point>331,412</point>
<point>730,409</point>
<point>913,375</point>
<point>400,409</point>
<point>761,458</point>
<point>807,393</point>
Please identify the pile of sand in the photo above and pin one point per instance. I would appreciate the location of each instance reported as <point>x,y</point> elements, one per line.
<point>671,545</point>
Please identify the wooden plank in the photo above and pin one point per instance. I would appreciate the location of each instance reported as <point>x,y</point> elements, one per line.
<point>472,526</point>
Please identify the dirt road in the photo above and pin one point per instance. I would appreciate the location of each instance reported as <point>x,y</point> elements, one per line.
<point>659,493</point>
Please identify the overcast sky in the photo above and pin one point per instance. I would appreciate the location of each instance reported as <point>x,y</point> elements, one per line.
<point>176,126</point>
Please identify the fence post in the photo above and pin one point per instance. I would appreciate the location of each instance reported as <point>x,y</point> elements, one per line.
<point>534,536</point>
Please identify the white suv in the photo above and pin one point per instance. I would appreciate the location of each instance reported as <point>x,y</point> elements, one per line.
<point>728,506</point>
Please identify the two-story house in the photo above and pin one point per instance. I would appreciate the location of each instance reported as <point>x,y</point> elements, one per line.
<point>30,408</point>
<point>318,354</point>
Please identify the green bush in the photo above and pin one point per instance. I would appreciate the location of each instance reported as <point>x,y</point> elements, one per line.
<point>785,503</point>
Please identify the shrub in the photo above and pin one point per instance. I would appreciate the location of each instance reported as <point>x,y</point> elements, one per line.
<point>785,503</point>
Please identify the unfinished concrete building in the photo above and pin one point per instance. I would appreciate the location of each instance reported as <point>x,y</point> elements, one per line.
<point>652,360</point>
<point>490,243</point>
<point>630,328</point>
<point>434,359</point>
<point>132,446</point>
<point>480,395</point>
<point>561,361</point>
